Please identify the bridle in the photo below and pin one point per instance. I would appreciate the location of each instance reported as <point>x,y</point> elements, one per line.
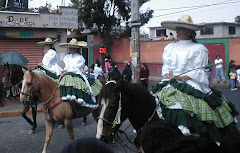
<point>117,121</point>
<point>29,95</point>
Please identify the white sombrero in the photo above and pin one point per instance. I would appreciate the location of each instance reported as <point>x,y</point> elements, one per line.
<point>47,41</point>
<point>74,44</point>
<point>184,21</point>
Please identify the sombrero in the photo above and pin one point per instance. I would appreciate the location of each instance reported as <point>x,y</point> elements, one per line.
<point>47,41</point>
<point>74,44</point>
<point>184,21</point>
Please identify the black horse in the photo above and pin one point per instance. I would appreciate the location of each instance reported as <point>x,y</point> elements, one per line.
<point>13,76</point>
<point>121,101</point>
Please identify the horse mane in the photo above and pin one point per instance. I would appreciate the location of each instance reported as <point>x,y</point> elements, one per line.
<point>108,88</point>
<point>42,75</point>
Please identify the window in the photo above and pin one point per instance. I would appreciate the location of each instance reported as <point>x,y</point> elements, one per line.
<point>207,30</point>
<point>160,31</point>
<point>232,30</point>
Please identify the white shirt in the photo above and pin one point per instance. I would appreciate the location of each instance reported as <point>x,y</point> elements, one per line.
<point>216,61</point>
<point>50,61</point>
<point>98,71</point>
<point>185,55</point>
<point>74,63</point>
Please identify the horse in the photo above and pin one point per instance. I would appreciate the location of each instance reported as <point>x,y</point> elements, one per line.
<point>122,100</point>
<point>13,76</point>
<point>54,108</point>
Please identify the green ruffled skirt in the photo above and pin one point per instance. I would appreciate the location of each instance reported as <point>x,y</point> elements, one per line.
<point>73,87</point>
<point>210,114</point>
<point>48,72</point>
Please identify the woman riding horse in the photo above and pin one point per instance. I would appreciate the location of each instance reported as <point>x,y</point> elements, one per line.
<point>74,85</point>
<point>186,99</point>
<point>50,62</point>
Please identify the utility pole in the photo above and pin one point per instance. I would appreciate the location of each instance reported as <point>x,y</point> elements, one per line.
<point>135,40</point>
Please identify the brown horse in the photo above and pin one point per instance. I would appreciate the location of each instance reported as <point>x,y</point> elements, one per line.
<point>13,75</point>
<point>56,110</point>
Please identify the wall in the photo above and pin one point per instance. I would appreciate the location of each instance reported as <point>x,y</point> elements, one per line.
<point>151,52</point>
<point>67,18</point>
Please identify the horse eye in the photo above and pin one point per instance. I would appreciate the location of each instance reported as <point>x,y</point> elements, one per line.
<point>29,84</point>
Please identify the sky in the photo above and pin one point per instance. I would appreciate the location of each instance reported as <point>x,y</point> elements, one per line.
<point>200,10</point>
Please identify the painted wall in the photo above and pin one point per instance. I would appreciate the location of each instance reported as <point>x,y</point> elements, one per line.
<point>151,52</point>
<point>234,49</point>
<point>67,18</point>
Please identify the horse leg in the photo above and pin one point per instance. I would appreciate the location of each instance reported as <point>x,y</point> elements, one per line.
<point>69,125</point>
<point>34,116</point>
<point>24,112</point>
<point>84,121</point>
<point>49,129</point>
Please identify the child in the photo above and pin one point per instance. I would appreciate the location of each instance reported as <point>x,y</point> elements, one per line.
<point>232,75</point>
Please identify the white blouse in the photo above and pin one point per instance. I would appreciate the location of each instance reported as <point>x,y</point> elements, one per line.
<point>74,63</point>
<point>50,61</point>
<point>185,55</point>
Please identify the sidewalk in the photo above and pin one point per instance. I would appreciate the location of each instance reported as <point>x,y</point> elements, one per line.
<point>16,109</point>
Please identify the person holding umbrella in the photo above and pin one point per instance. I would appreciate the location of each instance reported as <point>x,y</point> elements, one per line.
<point>50,63</point>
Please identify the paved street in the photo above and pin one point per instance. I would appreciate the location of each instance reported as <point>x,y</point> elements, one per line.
<point>15,137</point>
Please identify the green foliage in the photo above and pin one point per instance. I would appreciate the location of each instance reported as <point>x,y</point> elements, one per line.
<point>106,14</point>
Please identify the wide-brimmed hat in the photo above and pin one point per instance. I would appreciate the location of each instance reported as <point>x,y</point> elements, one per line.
<point>47,41</point>
<point>184,21</point>
<point>74,44</point>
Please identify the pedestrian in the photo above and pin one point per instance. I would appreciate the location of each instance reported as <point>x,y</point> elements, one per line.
<point>233,67</point>
<point>171,37</point>
<point>127,72</point>
<point>98,72</point>
<point>208,70</point>
<point>74,85</point>
<point>238,74</point>
<point>87,145</point>
<point>232,76</point>
<point>107,63</point>
<point>162,37</point>
<point>184,96</point>
<point>50,62</point>
<point>144,74</point>
<point>219,69</point>
<point>114,73</point>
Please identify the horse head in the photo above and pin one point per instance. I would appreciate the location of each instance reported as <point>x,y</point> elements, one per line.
<point>108,101</point>
<point>29,86</point>
<point>122,100</point>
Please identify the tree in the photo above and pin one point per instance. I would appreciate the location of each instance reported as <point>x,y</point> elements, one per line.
<point>106,14</point>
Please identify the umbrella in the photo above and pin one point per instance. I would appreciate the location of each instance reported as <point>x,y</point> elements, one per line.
<point>12,57</point>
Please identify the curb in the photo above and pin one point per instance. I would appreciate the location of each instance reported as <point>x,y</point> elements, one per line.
<point>17,113</point>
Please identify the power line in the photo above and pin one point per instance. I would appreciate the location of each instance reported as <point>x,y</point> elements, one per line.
<point>193,9</point>
<point>196,6</point>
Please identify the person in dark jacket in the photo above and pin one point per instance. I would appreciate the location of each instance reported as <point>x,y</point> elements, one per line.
<point>114,73</point>
<point>144,74</point>
<point>127,72</point>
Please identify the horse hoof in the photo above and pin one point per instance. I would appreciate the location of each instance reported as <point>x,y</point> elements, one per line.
<point>84,124</point>
<point>31,132</point>
<point>61,126</point>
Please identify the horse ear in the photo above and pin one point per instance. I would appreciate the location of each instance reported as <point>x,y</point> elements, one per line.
<point>24,69</point>
<point>7,64</point>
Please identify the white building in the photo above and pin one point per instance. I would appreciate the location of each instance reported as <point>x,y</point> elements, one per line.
<point>211,30</point>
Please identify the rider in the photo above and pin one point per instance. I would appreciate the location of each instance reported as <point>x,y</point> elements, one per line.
<point>186,99</point>
<point>74,85</point>
<point>50,62</point>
